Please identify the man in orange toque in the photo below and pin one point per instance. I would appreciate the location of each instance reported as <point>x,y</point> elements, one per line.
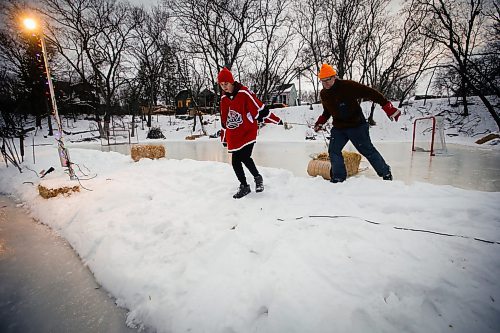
<point>340,101</point>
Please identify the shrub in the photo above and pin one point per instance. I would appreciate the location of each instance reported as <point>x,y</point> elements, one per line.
<point>155,133</point>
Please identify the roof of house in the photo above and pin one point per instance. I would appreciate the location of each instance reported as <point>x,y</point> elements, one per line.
<point>207,92</point>
<point>284,87</point>
<point>186,93</point>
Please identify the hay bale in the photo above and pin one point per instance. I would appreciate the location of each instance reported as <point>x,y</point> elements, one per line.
<point>50,192</point>
<point>194,136</point>
<point>319,168</point>
<point>487,138</point>
<point>320,164</point>
<point>147,151</point>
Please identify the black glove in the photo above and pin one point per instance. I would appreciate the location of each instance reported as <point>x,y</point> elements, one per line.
<point>264,113</point>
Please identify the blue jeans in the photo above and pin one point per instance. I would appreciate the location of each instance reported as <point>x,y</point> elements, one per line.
<point>360,138</point>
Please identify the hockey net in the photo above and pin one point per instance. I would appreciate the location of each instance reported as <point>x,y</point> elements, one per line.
<point>428,135</point>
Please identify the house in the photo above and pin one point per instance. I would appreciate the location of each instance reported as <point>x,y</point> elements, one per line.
<point>286,94</point>
<point>206,98</point>
<point>80,97</point>
<point>183,101</point>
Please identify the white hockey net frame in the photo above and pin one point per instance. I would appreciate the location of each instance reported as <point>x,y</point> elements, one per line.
<point>436,127</point>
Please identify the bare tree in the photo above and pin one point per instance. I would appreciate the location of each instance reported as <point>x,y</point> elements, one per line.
<point>22,62</point>
<point>394,56</point>
<point>374,37</point>
<point>447,81</point>
<point>424,56</point>
<point>344,21</point>
<point>131,93</point>
<point>92,36</point>
<point>486,63</point>
<point>153,51</point>
<point>216,31</point>
<point>309,26</point>
<point>276,54</point>
<point>458,26</point>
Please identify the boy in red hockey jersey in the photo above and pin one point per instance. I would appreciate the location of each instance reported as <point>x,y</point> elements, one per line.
<point>241,111</point>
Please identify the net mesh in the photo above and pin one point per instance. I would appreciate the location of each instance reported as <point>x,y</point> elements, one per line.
<point>429,135</point>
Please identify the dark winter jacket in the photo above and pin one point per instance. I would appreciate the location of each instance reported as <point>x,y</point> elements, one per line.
<point>341,103</point>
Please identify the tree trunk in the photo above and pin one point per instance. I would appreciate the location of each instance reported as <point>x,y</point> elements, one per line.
<point>99,125</point>
<point>429,85</point>
<point>194,122</point>
<point>201,123</point>
<point>38,121</point>
<point>491,108</point>
<point>107,120</point>
<point>49,123</point>
<point>133,125</point>
<point>464,98</point>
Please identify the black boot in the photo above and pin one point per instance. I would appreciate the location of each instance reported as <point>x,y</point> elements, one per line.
<point>259,184</point>
<point>242,191</point>
<point>387,177</point>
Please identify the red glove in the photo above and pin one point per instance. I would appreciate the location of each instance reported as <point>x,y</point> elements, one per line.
<point>391,111</point>
<point>319,123</point>
<point>273,119</point>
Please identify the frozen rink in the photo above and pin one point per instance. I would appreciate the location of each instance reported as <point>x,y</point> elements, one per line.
<point>43,285</point>
<point>465,167</point>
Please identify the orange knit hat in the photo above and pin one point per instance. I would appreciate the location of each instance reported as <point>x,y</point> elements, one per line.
<point>225,76</point>
<point>326,71</point>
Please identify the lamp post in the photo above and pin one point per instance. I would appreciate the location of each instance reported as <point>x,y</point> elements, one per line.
<point>299,74</point>
<point>32,25</point>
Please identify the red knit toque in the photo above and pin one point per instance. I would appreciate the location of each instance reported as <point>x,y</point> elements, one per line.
<point>225,76</point>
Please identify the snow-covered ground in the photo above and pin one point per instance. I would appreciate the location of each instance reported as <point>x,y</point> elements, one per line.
<point>168,241</point>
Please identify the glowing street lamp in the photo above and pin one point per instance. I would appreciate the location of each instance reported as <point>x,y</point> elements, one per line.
<point>32,25</point>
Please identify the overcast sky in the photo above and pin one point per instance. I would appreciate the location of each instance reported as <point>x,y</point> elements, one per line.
<point>145,3</point>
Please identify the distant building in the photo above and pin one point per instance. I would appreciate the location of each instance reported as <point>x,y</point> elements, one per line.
<point>286,94</point>
<point>183,101</point>
<point>206,98</point>
<point>77,97</point>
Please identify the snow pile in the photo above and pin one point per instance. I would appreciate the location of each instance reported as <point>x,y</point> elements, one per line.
<point>168,241</point>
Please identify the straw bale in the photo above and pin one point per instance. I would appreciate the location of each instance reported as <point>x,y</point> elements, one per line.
<point>487,138</point>
<point>46,192</point>
<point>147,151</point>
<point>194,136</point>
<point>320,164</point>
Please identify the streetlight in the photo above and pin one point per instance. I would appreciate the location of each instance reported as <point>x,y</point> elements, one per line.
<point>32,25</point>
<point>299,99</point>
